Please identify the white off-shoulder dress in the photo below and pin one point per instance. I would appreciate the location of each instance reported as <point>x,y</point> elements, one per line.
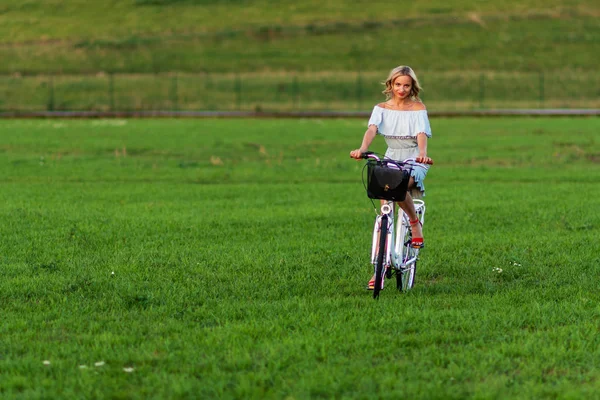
<point>400,130</point>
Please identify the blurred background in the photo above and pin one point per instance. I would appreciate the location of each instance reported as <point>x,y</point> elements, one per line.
<point>224,55</point>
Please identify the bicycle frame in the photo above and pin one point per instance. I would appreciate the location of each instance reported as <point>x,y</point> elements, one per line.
<point>394,239</point>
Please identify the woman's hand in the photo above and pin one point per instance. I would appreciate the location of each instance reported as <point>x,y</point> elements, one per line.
<point>356,154</point>
<point>424,159</point>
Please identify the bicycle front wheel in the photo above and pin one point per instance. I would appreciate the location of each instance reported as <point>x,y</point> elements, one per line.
<point>379,265</point>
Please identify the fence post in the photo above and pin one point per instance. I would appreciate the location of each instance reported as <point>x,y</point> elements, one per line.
<point>111,92</point>
<point>542,89</point>
<point>359,90</point>
<point>50,105</point>
<point>238,92</point>
<point>174,99</point>
<point>295,90</point>
<point>207,86</point>
<point>481,89</point>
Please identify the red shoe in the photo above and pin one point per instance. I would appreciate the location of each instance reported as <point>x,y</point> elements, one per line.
<point>416,242</point>
<point>371,284</point>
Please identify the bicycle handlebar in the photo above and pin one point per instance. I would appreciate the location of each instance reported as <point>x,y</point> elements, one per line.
<point>369,154</point>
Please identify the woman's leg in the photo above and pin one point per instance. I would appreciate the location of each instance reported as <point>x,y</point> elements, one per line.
<point>409,208</point>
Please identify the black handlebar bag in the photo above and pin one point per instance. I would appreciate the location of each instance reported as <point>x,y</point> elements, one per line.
<point>386,182</point>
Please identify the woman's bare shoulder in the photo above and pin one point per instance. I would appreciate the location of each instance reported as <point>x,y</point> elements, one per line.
<point>419,106</point>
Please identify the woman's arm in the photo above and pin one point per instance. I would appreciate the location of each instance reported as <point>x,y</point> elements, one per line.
<point>422,143</point>
<point>367,140</point>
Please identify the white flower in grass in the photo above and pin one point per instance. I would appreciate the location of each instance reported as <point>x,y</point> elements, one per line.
<point>83,366</point>
<point>128,369</point>
<point>498,270</point>
<point>46,362</point>
<point>99,363</point>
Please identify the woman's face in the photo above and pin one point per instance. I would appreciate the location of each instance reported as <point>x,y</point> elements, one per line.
<point>402,87</point>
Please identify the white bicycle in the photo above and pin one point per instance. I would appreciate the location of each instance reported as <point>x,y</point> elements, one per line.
<point>392,253</point>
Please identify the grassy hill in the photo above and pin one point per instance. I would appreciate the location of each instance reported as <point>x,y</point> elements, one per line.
<point>250,55</point>
<point>234,35</point>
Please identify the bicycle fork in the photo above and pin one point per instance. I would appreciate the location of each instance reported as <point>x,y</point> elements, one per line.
<point>387,217</point>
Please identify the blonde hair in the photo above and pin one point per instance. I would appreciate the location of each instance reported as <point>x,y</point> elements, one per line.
<point>402,70</point>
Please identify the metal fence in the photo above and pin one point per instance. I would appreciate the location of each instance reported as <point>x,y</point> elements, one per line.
<point>323,91</point>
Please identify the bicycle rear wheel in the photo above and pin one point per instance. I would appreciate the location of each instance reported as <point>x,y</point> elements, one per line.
<point>379,265</point>
<point>405,274</point>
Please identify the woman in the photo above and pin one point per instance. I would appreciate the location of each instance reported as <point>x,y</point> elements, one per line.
<point>402,121</point>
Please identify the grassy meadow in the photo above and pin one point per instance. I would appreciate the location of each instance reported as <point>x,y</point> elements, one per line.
<point>228,259</point>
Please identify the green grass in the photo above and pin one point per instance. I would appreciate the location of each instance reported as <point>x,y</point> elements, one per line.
<point>70,37</point>
<point>69,19</point>
<point>514,43</point>
<point>228,259</point>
